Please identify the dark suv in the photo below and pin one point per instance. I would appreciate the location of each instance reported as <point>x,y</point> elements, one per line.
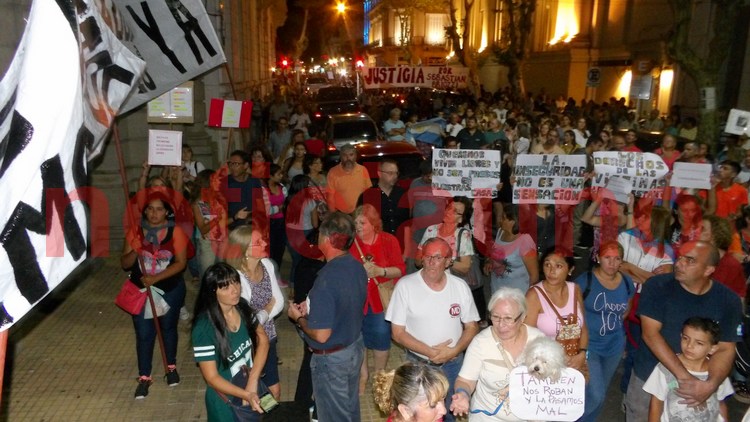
<point>334,100</point>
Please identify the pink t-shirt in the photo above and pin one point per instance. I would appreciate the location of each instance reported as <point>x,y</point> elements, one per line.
<point>547,320</point>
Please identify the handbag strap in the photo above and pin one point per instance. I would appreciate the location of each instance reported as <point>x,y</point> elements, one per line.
<point>554,308</point>
<point>362,255</point>
<point>223,396</point>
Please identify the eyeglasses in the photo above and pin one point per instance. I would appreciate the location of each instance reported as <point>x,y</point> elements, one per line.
<point>431,258</point>
<point>234,163</point>
<point>390,173</point>
<point>505,320</point>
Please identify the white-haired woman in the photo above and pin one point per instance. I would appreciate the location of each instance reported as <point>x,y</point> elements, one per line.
<point>481,389</point>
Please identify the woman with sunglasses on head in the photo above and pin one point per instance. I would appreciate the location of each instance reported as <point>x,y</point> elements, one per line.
<point>607,296</point>
<point>226,337</point>
<point>482,386</point>
<point>248,254</point>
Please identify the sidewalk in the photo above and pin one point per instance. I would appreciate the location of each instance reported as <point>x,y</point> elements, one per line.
<point>73,359</point>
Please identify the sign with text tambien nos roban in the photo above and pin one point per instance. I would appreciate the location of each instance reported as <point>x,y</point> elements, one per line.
<point>543,400</point>
<point>473,173</point>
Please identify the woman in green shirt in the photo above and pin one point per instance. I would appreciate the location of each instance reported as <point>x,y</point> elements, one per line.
<point>226,337</point>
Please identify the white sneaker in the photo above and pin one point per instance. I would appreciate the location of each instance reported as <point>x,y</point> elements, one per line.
<point>184,314</point>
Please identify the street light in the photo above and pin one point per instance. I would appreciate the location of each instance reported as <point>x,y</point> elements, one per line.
<point>341,7</point>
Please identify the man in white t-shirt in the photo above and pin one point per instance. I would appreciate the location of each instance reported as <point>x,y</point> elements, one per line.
<point>432,314</point>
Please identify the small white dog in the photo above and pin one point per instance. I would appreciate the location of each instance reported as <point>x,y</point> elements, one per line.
<point>544,358</point>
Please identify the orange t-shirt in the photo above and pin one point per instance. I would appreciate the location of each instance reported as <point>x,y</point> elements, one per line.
<point>344,188</point>
<point>730,200</point>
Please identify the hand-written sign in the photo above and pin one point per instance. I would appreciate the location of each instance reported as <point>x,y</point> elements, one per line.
<point>534,399</point>
<point>474,173</point>
<point>691,175</point>
<point>548,179</point>
<point>645,170</point>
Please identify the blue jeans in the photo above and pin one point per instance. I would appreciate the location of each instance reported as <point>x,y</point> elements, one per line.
<point>601,371</point>
<point>630,351</point>
<point>335,380</point>
<point>450,370</point>
<point>145,332</point>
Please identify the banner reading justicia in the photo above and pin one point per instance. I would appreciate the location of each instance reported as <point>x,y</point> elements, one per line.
<point>436,77</point>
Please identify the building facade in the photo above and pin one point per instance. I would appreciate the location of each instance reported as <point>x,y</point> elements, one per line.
<point>247,32</point>
<point>584,49</point>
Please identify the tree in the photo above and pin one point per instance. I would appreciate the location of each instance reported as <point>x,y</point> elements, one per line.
<point>460,42</point>
<point>705,70</point>
<point>404,11</point>
<point>301,44</point>
<point>513,50</point>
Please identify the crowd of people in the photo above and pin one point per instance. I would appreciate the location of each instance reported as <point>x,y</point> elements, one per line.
<point>659,280</point>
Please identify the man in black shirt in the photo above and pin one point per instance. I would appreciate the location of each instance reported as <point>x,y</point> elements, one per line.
<point>386,198</point>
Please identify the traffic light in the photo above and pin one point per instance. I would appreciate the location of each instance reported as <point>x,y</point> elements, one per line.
<point>284,63</point>
<point>360,63</point>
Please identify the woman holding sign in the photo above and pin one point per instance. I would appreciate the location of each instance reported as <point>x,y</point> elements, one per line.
<point>482,386</point>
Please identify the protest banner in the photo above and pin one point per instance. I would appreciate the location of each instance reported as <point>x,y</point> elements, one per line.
<point>691,175</point>
<point>548,179</point>
<point>173,106</point>
<point>164,147</point>
<point>66,83</point>
<point>645,171</point>
<point>473,173</point>
<point>175,38</point>
<point>229,114</point>
<point>533,399</point>
<point>436,77</point>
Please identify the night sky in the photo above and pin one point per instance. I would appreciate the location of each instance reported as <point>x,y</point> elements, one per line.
<point>323,24</point>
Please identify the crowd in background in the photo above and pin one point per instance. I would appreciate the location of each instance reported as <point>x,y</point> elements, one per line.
<point>270,199</point>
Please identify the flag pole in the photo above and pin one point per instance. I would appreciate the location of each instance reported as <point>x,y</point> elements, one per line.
<point>132,222</point>
<point>3,349</point>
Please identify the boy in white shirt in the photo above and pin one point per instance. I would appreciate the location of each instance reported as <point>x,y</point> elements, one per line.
<point>699,339</point>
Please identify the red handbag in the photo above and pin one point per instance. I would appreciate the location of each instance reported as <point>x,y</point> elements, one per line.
<point>131,299</point>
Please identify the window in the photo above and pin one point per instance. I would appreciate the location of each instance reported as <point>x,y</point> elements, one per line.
<point>435,31</point>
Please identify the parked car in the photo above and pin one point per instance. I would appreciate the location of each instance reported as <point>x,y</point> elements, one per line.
<point>350,128</point>
<point>334,100</point>
<point>315,83</point>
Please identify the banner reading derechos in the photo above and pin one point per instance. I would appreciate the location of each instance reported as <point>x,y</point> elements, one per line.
<point>548,179</point>
<point>645,170</point>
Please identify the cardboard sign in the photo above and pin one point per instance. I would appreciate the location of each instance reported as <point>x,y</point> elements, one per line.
<point>175,38</point>
<point>164,147</point>
<point>548,179</point>
<point>620,186</point>
<point>436,77</point>
<point>691,175</point>
<point>543,400</point>
<point>738,122</point>
<point>59,98</point>
<point>174,106</point>
<point>226,113</point>
<point>473,173</point>
<point>645,171</point>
